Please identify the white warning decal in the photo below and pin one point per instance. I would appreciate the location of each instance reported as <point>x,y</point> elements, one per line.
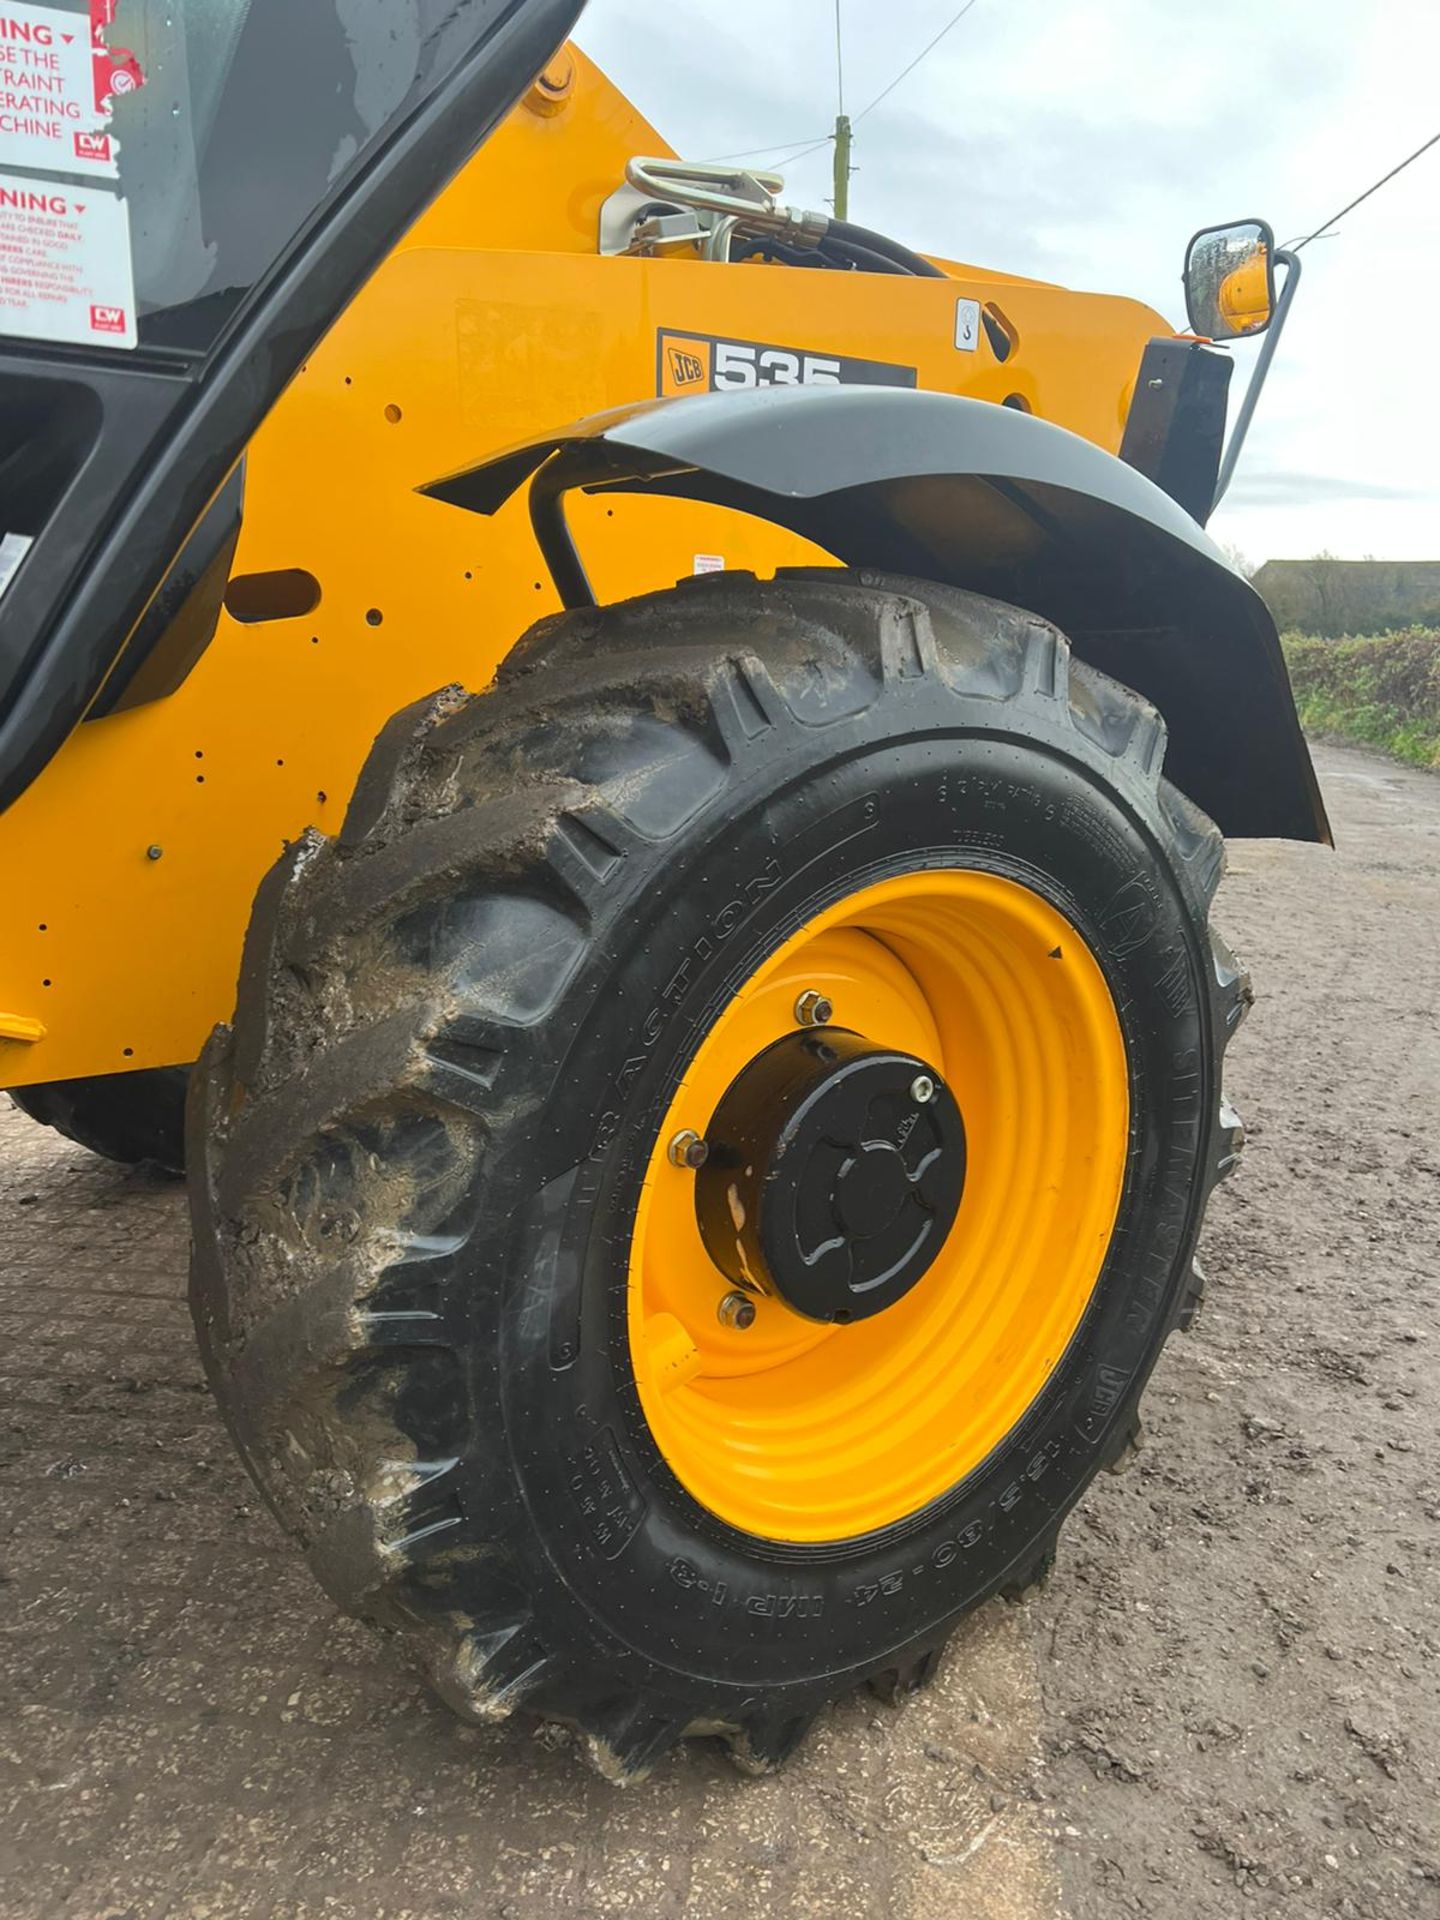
<point>65,264</point>
<point>56,82</point>
<point>13,549</point>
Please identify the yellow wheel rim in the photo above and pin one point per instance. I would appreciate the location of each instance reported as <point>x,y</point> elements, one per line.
<point>800,1432</point>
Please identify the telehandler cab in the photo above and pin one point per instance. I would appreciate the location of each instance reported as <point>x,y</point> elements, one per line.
<point>704,1139</point>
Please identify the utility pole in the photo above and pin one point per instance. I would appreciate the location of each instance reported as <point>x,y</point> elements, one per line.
<point>842,124</point>
<point>842,166</point>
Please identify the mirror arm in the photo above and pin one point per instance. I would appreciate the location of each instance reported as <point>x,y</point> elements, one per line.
<point>1291,264</point>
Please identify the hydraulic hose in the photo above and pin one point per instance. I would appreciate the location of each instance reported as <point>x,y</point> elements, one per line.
<point>904,259</point>
<point>846,253</point>
<point>833,252</point>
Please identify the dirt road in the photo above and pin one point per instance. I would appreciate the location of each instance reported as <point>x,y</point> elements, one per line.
<point>1227,1701</point>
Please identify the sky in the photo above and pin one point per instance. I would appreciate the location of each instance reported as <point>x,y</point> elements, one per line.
<point>1083,141</point>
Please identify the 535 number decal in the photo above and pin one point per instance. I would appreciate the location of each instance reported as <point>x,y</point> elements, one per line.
<point>705,363</point>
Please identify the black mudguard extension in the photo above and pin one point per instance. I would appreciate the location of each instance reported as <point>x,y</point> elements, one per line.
<point>1175,430</point>
<point>990,499</point>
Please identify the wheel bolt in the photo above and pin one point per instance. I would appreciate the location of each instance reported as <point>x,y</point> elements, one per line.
<point>737,1311</point>
<point>812,1009</point>
<point>688,1150</point>
<point>922,1089</point>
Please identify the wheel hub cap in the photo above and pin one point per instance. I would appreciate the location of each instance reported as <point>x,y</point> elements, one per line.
<point>830,1185</point>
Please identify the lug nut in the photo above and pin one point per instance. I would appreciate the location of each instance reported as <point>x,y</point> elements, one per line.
<point>922,1089</point>
<point>737,1311</point>
<point>812,1009</point>
<point>688,1150</point>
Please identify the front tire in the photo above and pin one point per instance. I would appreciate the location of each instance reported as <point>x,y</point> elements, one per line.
<point>425,1159</point>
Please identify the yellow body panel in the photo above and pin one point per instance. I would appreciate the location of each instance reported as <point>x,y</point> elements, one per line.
<point>130,865</point>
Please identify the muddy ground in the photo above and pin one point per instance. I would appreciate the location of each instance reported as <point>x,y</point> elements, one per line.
<point>1226,1703</point>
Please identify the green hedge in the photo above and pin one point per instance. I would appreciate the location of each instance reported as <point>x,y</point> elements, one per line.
<point>1383,691</point>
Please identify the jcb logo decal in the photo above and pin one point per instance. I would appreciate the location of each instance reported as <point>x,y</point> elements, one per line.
<point>703,363</point>
<point>686,368</point>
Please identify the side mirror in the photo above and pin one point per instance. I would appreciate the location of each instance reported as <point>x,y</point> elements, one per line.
<point>1230,280</point>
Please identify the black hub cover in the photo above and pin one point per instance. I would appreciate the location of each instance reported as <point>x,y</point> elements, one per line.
<point>829,1183</point>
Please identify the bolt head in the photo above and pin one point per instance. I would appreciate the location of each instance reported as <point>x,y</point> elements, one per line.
<point>154,853</point>
<point>812,1009</point>
<point>922,1089</point>
<point>688,1150</point>
<point>737,1312</point>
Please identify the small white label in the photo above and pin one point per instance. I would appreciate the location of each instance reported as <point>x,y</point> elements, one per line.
<point>709,563</point>
<point>13,549</point>
<point>65,270</point>
<point>54,90</point>
<point>967,325</point>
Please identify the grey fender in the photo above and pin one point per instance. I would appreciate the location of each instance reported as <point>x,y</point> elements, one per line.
<point>977,496</point>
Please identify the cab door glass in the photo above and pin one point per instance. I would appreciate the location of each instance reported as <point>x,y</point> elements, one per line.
<point>224,125</point>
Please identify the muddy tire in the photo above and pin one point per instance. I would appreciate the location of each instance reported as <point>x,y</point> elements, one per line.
<point>417,1157</point>
<point>134,1118</point>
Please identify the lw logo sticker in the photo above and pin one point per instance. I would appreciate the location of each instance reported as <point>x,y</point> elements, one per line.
<point>704,363</point>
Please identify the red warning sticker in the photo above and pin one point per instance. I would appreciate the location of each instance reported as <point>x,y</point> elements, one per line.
<point>57,83</point>
<point>65,270</point>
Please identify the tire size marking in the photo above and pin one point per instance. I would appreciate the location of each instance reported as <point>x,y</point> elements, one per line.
<point>892,1583</point>
<point>1030,1475</point>
<point>939,1558</point>
<point>611,1510</point>
<point>692,1581</point>
<point>761,1606</point>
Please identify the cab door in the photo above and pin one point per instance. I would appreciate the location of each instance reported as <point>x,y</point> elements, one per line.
<point>190,191</point>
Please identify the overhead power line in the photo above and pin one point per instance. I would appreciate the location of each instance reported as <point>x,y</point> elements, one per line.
<point>1383,181</point>
<point>777,166</point>
<point>758,153</point>
<point>923,55</point>
<point>813,146</point>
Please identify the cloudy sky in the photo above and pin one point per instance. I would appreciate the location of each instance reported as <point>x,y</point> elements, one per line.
<point>1082,141</point>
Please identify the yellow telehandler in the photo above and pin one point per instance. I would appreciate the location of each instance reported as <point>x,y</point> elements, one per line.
<point>704,1138</point>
